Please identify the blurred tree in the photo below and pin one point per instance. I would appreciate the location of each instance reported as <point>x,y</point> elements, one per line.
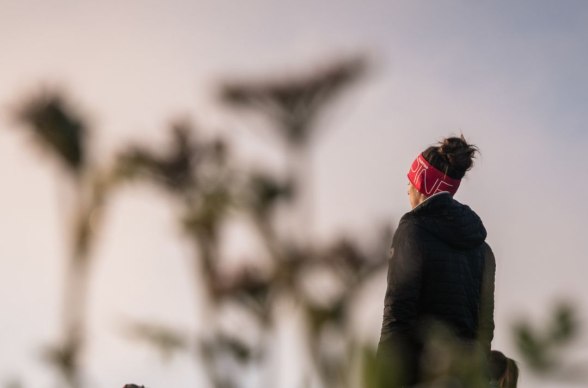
<point>62,132</point>
<point>211,186</point>
<point>195,172</point>
<point>293,106</point>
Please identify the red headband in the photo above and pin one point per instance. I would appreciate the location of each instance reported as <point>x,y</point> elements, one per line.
<point>428,180</point>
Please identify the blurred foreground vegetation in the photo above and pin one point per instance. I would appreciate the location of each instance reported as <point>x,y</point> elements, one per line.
<point>210,187</point>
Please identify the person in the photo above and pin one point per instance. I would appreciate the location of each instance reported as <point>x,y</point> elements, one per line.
<point>441,270</point>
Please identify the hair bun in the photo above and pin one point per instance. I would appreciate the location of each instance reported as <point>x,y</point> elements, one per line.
<point>458,153</point>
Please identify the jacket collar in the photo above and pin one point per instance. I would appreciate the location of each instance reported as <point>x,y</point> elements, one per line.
<point>433,201</point>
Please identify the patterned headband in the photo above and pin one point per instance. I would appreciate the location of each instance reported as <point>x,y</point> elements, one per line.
<point>428,180</point>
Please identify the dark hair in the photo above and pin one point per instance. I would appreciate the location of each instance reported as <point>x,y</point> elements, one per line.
<point>503,370</point>
<point>453,156</point>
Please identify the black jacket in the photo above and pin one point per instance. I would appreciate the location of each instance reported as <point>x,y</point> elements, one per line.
<point>440,270</point>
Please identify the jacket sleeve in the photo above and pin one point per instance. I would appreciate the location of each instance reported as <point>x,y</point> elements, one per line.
<point>403,291</point>
<point>486,314</point>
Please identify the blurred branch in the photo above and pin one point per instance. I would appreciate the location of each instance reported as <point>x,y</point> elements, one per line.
<point>174,170</point>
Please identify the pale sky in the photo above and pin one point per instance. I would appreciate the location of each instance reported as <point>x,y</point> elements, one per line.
<point>510,75</point>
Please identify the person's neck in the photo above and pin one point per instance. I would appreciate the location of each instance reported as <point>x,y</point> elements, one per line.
<point>424,199</point>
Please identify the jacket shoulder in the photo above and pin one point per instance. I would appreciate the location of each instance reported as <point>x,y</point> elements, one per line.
<point>409,228</point>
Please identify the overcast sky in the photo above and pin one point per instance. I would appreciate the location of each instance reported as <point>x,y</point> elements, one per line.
<point>510,75</point>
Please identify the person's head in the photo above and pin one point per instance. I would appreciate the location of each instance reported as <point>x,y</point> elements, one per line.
<point>440,168</point>
<point>503,370</point>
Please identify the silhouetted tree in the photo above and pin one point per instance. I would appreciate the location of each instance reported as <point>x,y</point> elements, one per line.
<point>293,106</point>
<point>212,185</point>
<point>62,133</point>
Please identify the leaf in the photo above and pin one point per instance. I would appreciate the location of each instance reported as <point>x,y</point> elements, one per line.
<point>175,170</point>
<point>57,127</point>
<point>564,324</point>
<point>542,348</point>
<point>532,347</point>
<point>165,339</point>
<point>266,192</point>
<point>205,218</point>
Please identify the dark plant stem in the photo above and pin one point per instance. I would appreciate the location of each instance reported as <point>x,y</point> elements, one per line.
<point>300,171</point>
<point>75,297</point>
<point>74,323</point>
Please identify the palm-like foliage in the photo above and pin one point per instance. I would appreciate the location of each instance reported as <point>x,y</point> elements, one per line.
<point>212,186</point>
<point>174,170</point>
<point>294,104</point>
<point>56,126</point>
<point>62,132</point>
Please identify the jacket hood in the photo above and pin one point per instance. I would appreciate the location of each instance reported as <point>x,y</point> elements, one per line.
<point>450,220</point>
